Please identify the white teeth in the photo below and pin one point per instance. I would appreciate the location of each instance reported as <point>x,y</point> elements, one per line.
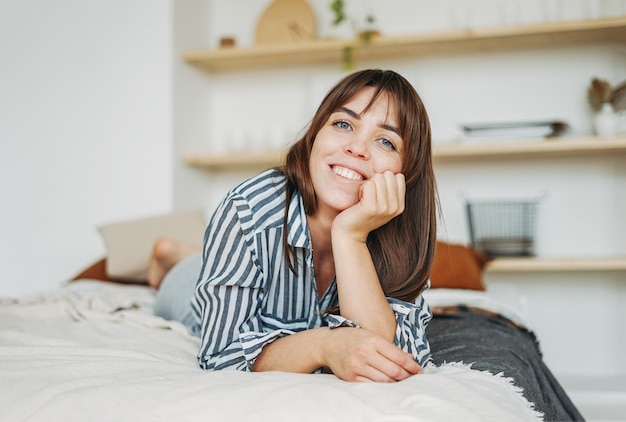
<point>347,173</point>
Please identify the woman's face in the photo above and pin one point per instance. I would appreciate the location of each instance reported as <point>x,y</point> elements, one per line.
<point>351,147</point>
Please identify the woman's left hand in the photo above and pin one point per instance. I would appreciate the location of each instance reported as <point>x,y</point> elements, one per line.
<point>361,296</point>
<point>381,198</point>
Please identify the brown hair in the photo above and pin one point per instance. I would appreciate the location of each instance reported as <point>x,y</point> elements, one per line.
<point>403,249</point>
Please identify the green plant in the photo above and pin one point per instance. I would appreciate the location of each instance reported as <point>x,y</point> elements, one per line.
<point>363,36</point>
<point>338,8</point>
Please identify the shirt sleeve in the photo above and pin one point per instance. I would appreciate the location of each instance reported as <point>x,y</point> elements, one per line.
<point>229,292</point>
<point>411,319</point>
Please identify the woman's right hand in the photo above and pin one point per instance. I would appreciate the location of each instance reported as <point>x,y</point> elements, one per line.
<point>356,354</point>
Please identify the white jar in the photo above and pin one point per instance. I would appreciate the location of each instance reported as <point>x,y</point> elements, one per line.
<point>605,121</point>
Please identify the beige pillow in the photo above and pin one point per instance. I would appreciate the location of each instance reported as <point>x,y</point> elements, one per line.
<point>129,244</point>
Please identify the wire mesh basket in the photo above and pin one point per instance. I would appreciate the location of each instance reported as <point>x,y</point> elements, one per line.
<point>502,228</point>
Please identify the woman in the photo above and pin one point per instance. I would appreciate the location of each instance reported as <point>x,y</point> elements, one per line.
<point>316,264</point>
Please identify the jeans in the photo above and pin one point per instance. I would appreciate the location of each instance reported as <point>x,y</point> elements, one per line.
<point>173,299</point>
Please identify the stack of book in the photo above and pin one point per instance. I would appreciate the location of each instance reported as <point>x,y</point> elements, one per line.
<point>514,130</point>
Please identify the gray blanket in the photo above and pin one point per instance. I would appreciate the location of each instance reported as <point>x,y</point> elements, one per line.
<point>494,344</point>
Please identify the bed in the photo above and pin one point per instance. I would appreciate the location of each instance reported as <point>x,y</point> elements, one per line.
<point>93,350</point>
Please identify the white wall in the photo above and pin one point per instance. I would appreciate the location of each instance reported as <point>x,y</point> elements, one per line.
<point>576,316</point>
<point>85,130</point>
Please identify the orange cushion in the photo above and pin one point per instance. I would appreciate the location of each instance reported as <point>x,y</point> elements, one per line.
<point>457,267</point>
<point>98,271</point>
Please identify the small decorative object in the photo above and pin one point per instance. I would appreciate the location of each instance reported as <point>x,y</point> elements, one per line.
<point>364,35</point>
<point>286,21</point>
<point>600,96</point>
<point>618,97</point>
<point>227,42</point>
<point>598,93</point>
<point>605,121</point>
<point>532,129</point>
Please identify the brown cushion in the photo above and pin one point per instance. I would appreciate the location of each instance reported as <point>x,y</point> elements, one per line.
<point>457,267</point>
<point>96,271</point>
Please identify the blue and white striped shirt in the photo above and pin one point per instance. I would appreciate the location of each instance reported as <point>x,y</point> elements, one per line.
<point>247,296</point>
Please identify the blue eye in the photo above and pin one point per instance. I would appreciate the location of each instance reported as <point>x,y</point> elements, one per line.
<point>386,143</point>
<point>342,125</point>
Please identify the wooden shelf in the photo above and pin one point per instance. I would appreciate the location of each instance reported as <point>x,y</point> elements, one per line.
<point>239,160</point>
<point>479,39</point>
<point>516,265</point>
<point>552,147</point>
<point>468,151</point>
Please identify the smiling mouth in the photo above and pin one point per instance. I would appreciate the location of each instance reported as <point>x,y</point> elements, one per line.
<point>347,173</point>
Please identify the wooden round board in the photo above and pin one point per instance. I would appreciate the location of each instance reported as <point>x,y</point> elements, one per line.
<point>286,21</point>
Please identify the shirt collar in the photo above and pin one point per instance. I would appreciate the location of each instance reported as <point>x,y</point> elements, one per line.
<point>299,236</point>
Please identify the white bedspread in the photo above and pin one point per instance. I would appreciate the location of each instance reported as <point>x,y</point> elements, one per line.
<point>93,351</point>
